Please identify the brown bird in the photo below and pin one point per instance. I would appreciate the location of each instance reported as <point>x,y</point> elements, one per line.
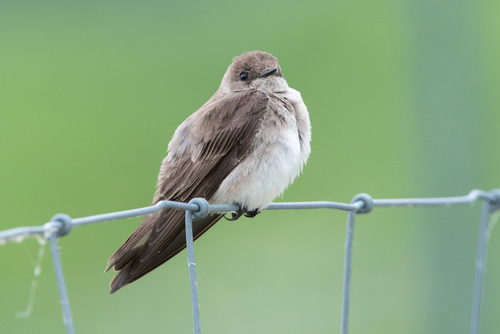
<point>244,146</point>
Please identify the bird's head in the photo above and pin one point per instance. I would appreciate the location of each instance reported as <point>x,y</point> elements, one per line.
<point>254,70</point>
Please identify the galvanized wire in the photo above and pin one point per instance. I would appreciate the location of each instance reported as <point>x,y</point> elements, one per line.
<point>192,272</point>
<point>198,208</point>
<point>346,288</point>
<point>481,257</point>
<point>51,234</point>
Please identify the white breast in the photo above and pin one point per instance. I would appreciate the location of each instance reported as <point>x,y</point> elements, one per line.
<point>279,154</point>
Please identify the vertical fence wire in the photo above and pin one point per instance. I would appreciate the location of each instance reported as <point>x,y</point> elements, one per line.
<point>344,322</point>
<point>480,266</point>
<point>192,272</point>
<point>51,235</point>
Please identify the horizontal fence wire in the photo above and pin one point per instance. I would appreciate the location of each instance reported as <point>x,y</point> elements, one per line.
<point>198,208</point>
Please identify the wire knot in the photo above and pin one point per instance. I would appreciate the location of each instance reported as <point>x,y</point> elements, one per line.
<point>203,208</point>
<point>367,202</point>
<point>495,205</point>
<point>62,222</point>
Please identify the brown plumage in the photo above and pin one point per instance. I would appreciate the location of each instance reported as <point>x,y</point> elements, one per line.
<point>215,145</point>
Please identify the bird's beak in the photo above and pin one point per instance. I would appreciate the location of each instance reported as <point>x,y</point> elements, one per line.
<point>268,72</point>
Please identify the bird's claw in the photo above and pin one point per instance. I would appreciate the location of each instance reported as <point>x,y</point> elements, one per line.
<point>242,211</point>
<point>251,214</point>
<point>235,215</point>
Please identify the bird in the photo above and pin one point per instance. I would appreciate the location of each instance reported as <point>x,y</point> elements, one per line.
<point>244,146</point>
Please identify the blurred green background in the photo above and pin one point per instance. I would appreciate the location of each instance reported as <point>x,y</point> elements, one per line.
<point>404,102</point>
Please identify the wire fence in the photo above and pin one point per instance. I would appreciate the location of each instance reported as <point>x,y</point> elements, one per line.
<point>198,208</point>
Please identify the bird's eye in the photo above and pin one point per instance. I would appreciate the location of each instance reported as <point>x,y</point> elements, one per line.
<point>243,76</point>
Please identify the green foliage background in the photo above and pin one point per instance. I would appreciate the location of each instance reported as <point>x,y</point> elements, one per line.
<point>403,97</point>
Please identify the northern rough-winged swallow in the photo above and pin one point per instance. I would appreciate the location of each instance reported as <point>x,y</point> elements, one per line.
<point>244,146</point>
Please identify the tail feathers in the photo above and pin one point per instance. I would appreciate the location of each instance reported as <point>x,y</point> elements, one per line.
<point>120,263</point>
<point>125,264</point>
<point>133,244</point>
<point>125,274</point>
<point>120,279</point>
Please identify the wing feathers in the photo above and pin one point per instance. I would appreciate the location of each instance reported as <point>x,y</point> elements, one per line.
<point>204,150</point>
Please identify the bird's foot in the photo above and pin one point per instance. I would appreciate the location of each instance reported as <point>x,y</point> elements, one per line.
<point>235,215</point>
<point>242,211</point>
<point>251,214</point>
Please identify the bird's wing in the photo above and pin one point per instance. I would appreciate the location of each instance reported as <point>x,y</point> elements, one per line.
<point>204,150</point>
